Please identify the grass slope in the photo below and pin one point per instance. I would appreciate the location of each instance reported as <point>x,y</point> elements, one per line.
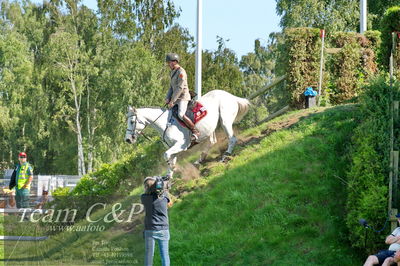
<point>278,201</point>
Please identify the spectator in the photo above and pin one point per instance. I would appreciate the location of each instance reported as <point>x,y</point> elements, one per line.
<point>21,179</point>
<point>385,257</point>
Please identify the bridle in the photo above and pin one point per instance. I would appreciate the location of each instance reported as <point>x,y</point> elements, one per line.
<point>135,132</point>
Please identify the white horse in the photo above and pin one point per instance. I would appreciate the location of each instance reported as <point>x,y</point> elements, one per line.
<point>220,105</point>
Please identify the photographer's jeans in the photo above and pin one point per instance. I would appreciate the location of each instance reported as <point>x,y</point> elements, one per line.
<point>162,237</point>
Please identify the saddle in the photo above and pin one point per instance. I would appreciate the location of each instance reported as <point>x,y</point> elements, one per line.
<point>195,111</point>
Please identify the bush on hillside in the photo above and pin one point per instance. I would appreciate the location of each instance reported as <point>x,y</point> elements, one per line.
<point>352,65</point>
<point>299,59</point>
<point>113,180</point>
<point>390,23</point>
<point>122,176</point>
<point>345,72</point>
<point>368,176</point>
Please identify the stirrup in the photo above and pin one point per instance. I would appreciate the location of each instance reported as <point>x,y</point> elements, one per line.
<point>195,137</point>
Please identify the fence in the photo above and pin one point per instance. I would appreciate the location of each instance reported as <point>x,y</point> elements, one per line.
<point>394,154</point>
<point>42,183</point>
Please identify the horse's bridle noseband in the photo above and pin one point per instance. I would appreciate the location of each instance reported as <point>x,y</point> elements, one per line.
<point>134,132</point>
<point>145,125</point>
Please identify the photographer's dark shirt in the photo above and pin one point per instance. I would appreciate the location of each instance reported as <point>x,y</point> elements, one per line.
<point>156,211</point>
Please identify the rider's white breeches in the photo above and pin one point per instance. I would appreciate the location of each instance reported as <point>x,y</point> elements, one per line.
<point>182,107</point>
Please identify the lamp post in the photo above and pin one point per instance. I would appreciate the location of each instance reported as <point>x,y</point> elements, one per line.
<point>198,48</point>
<point>363,16</point>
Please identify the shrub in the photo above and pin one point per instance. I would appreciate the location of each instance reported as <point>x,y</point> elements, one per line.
<point>299,59</point>
<point>112,180</point>
<point>123,175</point>
<point>345,72</point>
<point>390,23</point>
<point>368,176</point>
<point>352,65</point>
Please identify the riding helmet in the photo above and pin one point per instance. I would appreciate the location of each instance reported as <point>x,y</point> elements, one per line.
<point>172,57</point>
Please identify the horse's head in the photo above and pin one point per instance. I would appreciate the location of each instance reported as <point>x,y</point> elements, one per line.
<point>135,125</point>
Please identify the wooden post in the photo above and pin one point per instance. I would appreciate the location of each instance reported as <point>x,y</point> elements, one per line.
<point>395,178</point>
<point>394,155</point>
<point>394,168</point>
<point>394,159</point>
<point>393,219</point>
<point>321,67</point>
<point>390,182</point>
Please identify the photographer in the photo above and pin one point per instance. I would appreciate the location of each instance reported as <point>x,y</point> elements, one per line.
<point>156,201</point>
<point>386,257</point>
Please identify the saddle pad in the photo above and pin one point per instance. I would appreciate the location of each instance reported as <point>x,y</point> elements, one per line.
<point>195,112</point>
<point>199,111</point>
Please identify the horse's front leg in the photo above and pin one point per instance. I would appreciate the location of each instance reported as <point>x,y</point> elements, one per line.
<point>211,141</point>
<point>170,157</point>
<point>171,166</point>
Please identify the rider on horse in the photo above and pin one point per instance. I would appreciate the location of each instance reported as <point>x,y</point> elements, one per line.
<point>178,93</point>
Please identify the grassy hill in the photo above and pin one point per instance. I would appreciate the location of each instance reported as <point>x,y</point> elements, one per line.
<point>280,200</point>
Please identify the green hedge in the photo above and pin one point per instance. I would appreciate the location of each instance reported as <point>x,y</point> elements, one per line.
<point>113,180</point>
<point>345,72</point>
<point>352,65</point>
<point>368,176</point>
<point>299,59</point>
<point>125,174</point>
<point>390,23</point>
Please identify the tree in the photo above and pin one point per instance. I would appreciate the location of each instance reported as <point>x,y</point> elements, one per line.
<point>377,8</point>
<point>16,68</point>
<point>221,70</point>
<point>332,15</point>
<point>69,70</point>
<point>137,19</point>
<point>258,70</point>
<point>84,70</point>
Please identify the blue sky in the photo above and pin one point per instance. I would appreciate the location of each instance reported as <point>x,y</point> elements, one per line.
<point>242,22</point>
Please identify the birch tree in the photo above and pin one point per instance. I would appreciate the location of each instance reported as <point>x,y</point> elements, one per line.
<point>68,68</point>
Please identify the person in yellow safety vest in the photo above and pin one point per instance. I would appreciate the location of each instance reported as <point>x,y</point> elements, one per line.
<point>23,180</point>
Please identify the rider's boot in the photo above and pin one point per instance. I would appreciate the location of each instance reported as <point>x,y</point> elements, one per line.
<point>190,125</point>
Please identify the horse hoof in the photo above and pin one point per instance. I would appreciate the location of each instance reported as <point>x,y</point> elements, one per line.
<point>225,158</point>
<point>197,164</point>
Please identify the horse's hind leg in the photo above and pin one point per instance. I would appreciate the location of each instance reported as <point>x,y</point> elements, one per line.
<point>211,141</point>
<point>227,126</point>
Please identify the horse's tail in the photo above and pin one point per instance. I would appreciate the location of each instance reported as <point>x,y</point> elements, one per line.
<point>244,106</point>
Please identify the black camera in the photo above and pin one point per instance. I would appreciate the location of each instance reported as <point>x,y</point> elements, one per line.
<point>160,184</point>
